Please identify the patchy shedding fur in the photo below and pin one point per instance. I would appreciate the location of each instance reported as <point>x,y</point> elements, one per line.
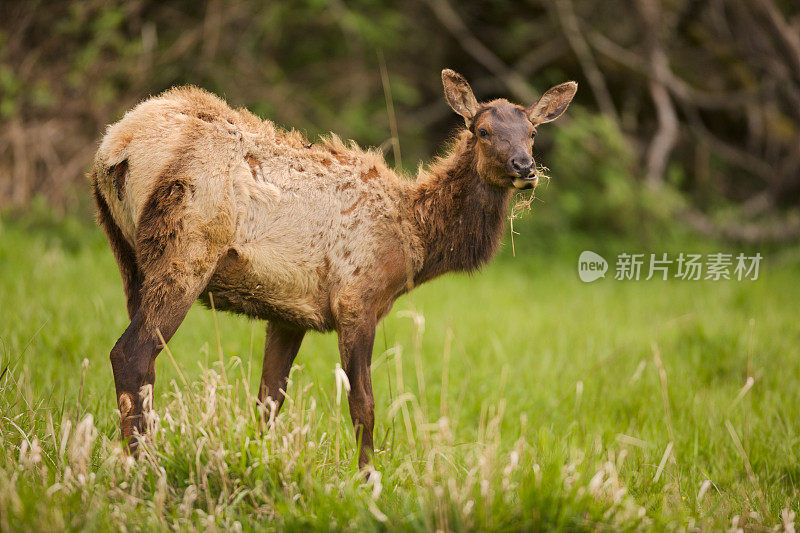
<point>201,200</point>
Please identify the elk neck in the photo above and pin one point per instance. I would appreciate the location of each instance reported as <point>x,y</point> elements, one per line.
<point>460,218</point>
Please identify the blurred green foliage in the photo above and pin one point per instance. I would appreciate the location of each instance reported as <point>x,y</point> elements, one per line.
<point>69,68</point>
<point>589,190</point>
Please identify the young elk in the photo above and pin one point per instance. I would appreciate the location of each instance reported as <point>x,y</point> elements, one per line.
<point>202,201</point>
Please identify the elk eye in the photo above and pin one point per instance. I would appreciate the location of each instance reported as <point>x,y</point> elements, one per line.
<point>482,133</point>
<point>533,134</point>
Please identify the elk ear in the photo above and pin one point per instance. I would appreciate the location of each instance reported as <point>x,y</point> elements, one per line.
<point>459,95</point>
<point>553,103</point>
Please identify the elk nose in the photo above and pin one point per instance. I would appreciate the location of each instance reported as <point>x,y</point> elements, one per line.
<point>521,166</point>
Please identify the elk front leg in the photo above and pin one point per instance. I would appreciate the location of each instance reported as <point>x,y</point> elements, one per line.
<point>281,348</point>
<point>355,348</point>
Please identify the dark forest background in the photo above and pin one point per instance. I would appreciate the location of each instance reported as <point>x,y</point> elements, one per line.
<point>688,111</point>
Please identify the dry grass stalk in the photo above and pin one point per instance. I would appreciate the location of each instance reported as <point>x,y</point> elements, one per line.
<point>525,204</point>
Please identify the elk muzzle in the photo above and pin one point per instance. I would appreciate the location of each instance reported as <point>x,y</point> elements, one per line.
<point>521,169</point>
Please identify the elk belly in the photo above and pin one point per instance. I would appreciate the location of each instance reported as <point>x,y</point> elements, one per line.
<point>263,283</point>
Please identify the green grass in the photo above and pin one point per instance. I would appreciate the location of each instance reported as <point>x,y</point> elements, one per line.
<point>529,401</point>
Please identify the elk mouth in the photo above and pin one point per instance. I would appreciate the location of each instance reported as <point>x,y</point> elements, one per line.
<point>528,182</point>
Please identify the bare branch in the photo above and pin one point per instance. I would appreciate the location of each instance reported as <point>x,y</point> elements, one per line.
<point>782,231</point>
<point>451,20</point>
<point>679,88</point>
<point>734,154</point>
<point>541,56</point>
<point>571,26</point>
<point>666,136</point>
<point>788,39</point>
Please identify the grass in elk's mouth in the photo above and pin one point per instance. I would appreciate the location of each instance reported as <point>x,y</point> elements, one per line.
<point>524,399</point>
<point>525,204</point>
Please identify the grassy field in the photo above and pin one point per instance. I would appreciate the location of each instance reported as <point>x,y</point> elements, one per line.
<point>518,399</point>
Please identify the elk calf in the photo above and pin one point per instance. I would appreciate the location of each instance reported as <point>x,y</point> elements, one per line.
<point>199,200</point>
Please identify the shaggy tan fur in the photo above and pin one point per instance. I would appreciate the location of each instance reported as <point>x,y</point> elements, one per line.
<point>201,200</point>
<point>298,219</point>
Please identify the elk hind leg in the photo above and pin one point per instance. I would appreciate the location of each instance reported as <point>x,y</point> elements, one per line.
<point>163,308</point>
<point>177,263</point>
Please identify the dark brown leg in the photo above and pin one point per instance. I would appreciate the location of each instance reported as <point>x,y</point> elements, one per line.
<point>165,302</point>
<point>280,350</point>
<point>171,284</point>
<point>132,361</point>
<point>355,348</point>
<point>177,249</point>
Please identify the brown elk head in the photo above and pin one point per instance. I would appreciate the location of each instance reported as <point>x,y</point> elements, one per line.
<point>504,131</point>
